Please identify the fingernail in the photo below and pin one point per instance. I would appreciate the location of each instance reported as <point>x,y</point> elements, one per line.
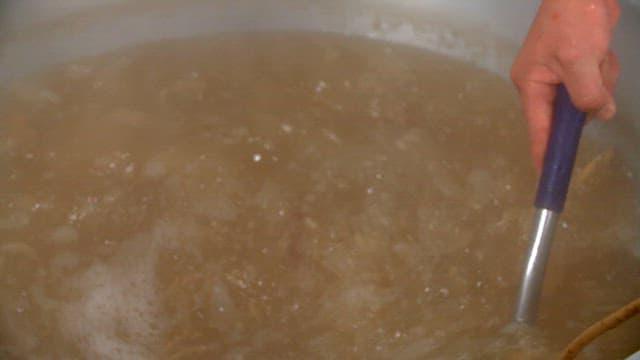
<point>607,112</point>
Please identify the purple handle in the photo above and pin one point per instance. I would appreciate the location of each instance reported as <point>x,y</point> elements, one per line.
<point>561,153</point>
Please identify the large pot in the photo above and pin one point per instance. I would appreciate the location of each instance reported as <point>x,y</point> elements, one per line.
<point>35,34</point>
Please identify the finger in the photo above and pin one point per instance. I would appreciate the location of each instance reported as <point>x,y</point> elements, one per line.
<point>613,9</point>
<point>610,70</point>
<point>537,102</point>
<point>586,87</point>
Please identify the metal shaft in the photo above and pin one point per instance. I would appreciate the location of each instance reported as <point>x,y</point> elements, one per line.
<point>533,275</point>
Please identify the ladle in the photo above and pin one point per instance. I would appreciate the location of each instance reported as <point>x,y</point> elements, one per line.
<point>553,185</point>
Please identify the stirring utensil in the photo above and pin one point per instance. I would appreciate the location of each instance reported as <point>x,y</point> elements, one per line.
<point>566,130</point>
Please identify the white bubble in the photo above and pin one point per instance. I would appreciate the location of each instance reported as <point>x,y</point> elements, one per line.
<point>321,86</point>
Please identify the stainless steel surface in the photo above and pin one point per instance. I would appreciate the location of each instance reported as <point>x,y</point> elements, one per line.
<point>533,275</point>
<point>635,356</point>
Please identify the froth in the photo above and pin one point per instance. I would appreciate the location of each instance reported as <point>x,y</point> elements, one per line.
<point>116,315</point>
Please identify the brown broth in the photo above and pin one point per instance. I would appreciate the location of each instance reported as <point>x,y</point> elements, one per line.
<point>291,196</point>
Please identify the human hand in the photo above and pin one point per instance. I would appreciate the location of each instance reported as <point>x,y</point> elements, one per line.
<point>567,43</point>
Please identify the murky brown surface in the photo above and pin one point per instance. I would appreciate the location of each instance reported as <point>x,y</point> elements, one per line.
<point>291,196</point>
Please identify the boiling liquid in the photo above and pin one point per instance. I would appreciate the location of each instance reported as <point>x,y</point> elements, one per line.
<point>301,196</point>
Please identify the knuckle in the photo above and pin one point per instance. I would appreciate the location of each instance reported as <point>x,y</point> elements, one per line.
<point>569,57</point>
<point>521,76</point>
